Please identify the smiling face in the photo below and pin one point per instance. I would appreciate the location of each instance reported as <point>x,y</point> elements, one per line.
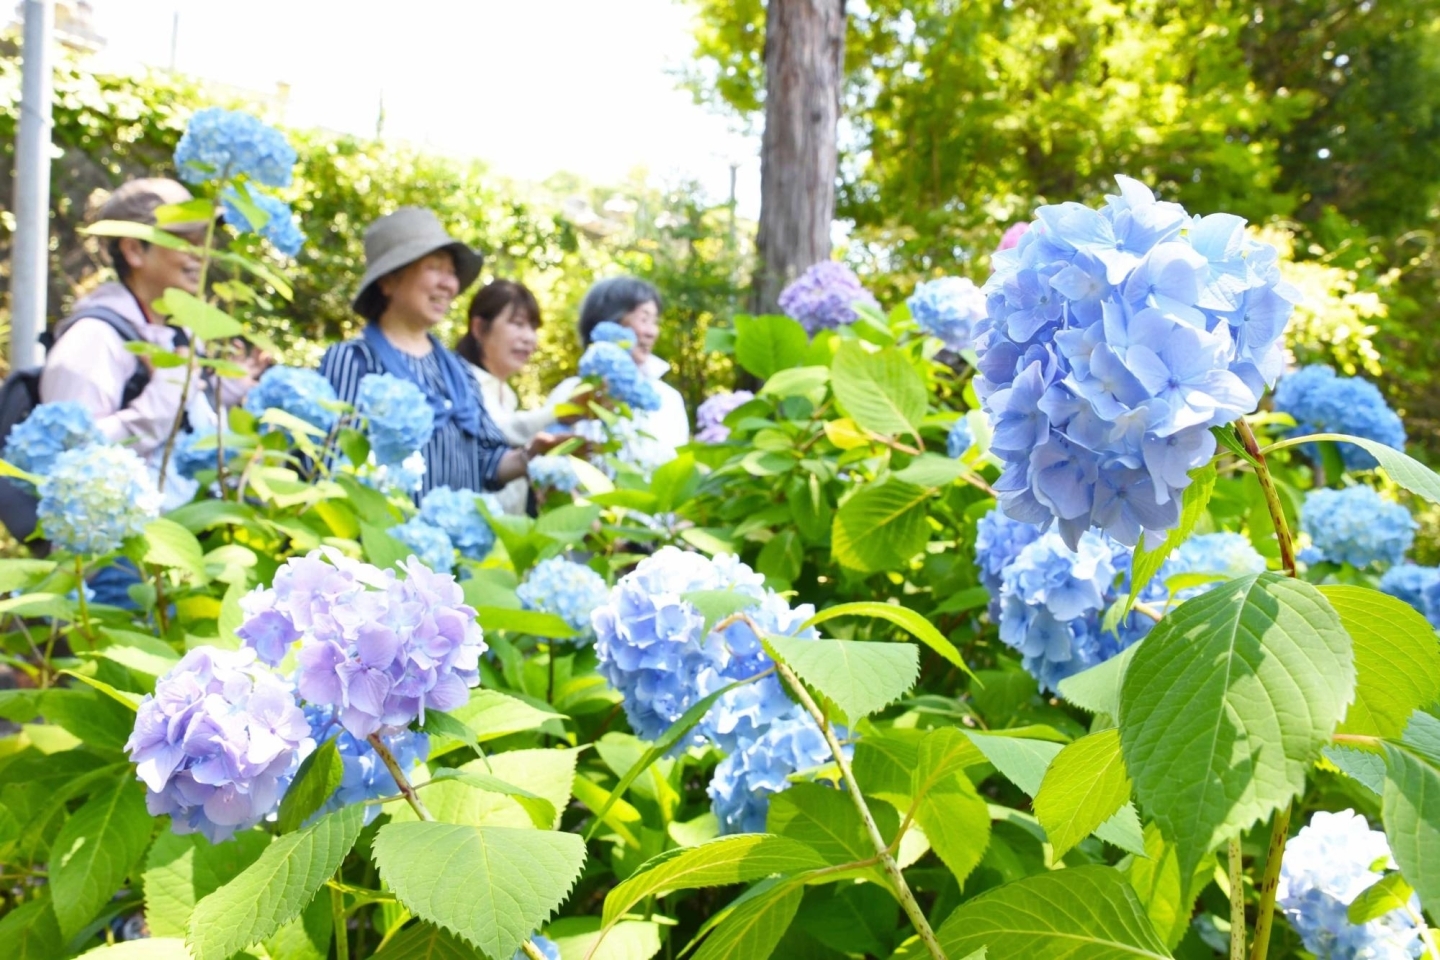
<point>420,294</point>
<point>644,321</point>
<point>153,269</point>
<point>508,343</point>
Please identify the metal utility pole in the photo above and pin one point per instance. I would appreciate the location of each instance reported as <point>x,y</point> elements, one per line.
<point>29,264</point>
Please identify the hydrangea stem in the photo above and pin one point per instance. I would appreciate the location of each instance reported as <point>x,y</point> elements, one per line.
<point>1237,902</point>
<point>406,790</point>
<point>1272,496</point>
<point>892,869</point>
<point>531,951</point>
<point>191,360</point>
<point>85,629</point>
<point>337,918</point>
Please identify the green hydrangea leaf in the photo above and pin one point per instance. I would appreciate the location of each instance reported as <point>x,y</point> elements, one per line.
<point>881,390</point>
<point>754,928</point>
<point>1397,659</point>
<point>181,871</point>
<point>859,677</point>
<point>1085,785</point>
<point>95,851</point>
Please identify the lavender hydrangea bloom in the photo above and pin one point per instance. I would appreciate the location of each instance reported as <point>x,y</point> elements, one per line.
<point>948,310</point>
<point>710,415</point>
<point>1326,866</point>
<point>365,776</point>
<point>622,379</point>
<point>1321,402</point>
<point>556,473</point>
<point>1356,526</point>
<point>378,649</point>
<point>959,439</point>
<point>1224,555</point>
<point>454,512</point>
<point>95,497</point>
<point>300,393</point>
<point>217,743</point>
<point>1116,338</point>
<point>279,227</point>
<point>221,144</point>
<point>743,782</point>
<point>429,543</point>
<point>570,590</point>
<point>49,430</point>
<point>1413,583</point>
<point>824,297</point>
<point>398,415</point>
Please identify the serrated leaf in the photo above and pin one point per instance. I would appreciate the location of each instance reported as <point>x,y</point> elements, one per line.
<point>824,819</point>
<point>491,714</point>
<point>858,677</point>
<point>903,617</point>
<point>316,780</point>
<point>424,941</point>
<point>95,851</point>
<point>955,819</point>
<point>1410,810</point>
<point>1168,898</point>
<point>1406,471</point>
<point>1098,688</point>
<point>1397,659</point>
<point>881,391</point>
<point>275,888</point>
<point>1083,913</point>
<point>150,948</point>
<point>881,527</point>
<point>796,381</point>
<point>627,940</point>
<point>1085,785</point>
<point>30,931</point>
<point>727,860</point>
<point>491,886</point>
<point>1144,564</point>
<point>1362,766</point>
<point>204,321</point>
<point>542,811</point>
<point>885,765</point>
<point>1020,760</point>
<point>716,605</point>
<point>754,928</point>
<point>167,544</point>
<point>768,344</point>
<point>1390,892</point>
<point>1228,702</point>
<point>544,774</point>
<point>181,871</point>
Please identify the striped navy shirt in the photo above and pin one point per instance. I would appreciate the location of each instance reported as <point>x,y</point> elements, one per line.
<point>452,457</point>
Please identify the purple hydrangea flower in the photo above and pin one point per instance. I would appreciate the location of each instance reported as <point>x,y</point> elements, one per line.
<point>948,310</point>
<point>710,415</point>
<point>824,297</point>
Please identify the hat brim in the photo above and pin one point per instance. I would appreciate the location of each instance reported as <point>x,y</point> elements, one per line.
<point>467,267</point>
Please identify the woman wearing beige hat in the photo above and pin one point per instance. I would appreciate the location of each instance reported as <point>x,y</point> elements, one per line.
<point>414,270</point>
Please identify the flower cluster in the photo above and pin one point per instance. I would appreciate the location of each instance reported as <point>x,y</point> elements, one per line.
<point>1011,236</point>
<point>407,476</point>
<point>49,430</point>
<point>1321,402</point>
<point>1115,340</point>
<point>218,742</point>
<point>570,590</point>
<point>743,782</point>
<point>710,415</point>
<point>279,226</point>
<point>1416,585</point>
<point>998,541</point>
<point>959,439</point>
<point>556,473</point>
<point>608,331</point>
<point>379,650</point>
<point>613,366</point>
<point>96,496</point>
<point>221,144</point>
<point>365,776</point>
<point>825,297</point>
<point>399,417</point>
<point>1224,556</point>
<point>454,512</point>
<point>196,450</point>
<point>1355,525</point>
<point>1326,866</point>
<point>303,394</point>
<point>948,310</point>
<point>427,542</point>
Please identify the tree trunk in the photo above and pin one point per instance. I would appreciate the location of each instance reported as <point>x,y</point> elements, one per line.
<point>804,70</point>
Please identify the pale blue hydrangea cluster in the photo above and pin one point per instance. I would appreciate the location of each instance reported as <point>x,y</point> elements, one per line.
<point>455,513</point>
<point>959,439</point>
<point>1355,525</point>
<point>1326,866</point>
<point>1116,338</point>
<point>998,541</point>
<point>948,310</point>
<point>303,394</point>
<point>197,450</point>
<point>743,782</point>
<point>365,776</point>
<point>378,649</point>
<point>710,415</point>
<point>218,742</point>
<point>427,542</point>
<point>399,418</point>
<point>1321,402</point>
<point>1416,585</point>
<point>95,497</point>
<point>49,430</point>
<point>549,949</point>
<point>407,476</point>
<point>1223,555</point>
<point>555,473</point>
<point>571,591</point>
<point>608,331</point>
<point>279,227</point>
<point>221,144</point>
<point>613,366</point>
<point>825,297</point>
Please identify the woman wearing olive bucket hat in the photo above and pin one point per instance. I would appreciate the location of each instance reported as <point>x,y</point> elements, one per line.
<point>414,270</point>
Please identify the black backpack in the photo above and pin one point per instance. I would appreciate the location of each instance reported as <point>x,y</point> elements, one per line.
<point>20,394</point>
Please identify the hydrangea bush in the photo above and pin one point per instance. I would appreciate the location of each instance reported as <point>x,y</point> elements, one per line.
<point>825,297</point>
<point>50,430</point>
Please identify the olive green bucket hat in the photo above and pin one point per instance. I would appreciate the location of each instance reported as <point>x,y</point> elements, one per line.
<point>399,239</point>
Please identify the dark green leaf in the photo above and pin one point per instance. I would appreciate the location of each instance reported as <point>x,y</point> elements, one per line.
<point>316,780</point>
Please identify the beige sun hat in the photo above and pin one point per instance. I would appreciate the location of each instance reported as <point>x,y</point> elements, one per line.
<point>399,239</point>
<point>137,200</point>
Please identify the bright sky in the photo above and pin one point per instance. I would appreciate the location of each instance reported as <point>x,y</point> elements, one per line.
<point>532,87</point>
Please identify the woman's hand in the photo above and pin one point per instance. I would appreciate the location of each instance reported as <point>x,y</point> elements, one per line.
<point>542,443</point>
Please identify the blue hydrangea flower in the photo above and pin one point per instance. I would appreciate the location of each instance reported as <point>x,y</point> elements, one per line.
<point>556,473</point>
<point>279,228</point>
<point>196,450</point>
<point>429,543</point>
<point>1413,584</point>
<point>948,310</point>
<point>567,589</point>
<point>652,646</point>
<point>607,331</point>
<point>378,649</point>
<point>406,477</point>
<point>1326,866</point>
<point>223,144</point>
<point>454,512</point>
<point>959,439</point>
<point>824,297</point>
<point>998,541</point>
<point>301,393</point>
<point>1116,338</point>
<point>95,497</point>
<point>710,415</point>
<point>613,366</point>
<point>1356,526</point>
<point>743,782</point>
<point>49,430</point>
<point>365,775</point>
<point>1321,402</point>
<point>549,949</point>
<point>217,743</point>
<point>1224,555</point>
<point>399,417</point>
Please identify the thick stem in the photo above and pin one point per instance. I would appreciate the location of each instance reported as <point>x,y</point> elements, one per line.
<point>1237,902</point>
<point>1272,496</point>
<point>892,869</point>
<point>391,764</point>
<point>337,918</point>
<point>1265,914</point>
<point>194,348</point>
<point>85,629</point>
<point>531,951</point>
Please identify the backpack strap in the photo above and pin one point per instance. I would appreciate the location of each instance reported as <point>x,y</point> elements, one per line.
<point>140,379</point>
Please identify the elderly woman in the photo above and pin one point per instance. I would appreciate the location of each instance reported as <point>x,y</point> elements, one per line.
<point>414,270</point>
